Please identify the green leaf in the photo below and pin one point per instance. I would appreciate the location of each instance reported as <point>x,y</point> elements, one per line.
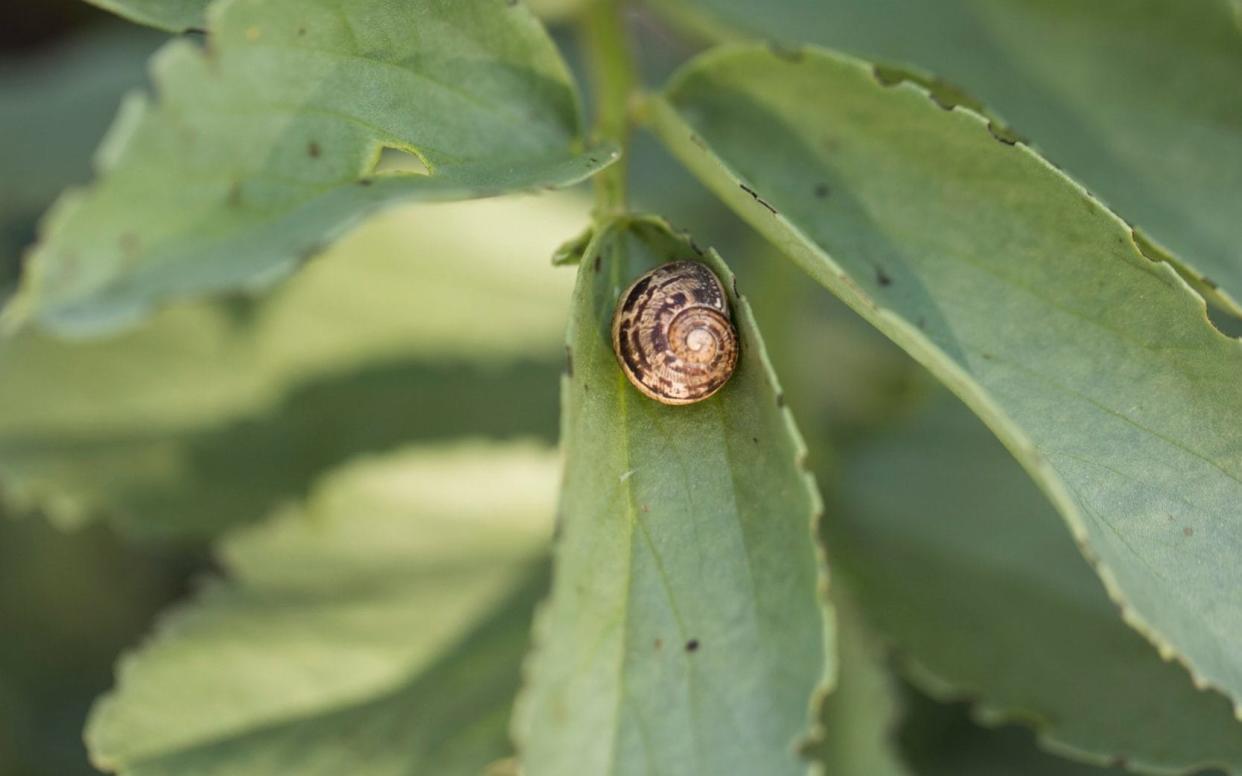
<point>212,414</point>
<point>941,740</point>
<point>1094,365</point>
<point>965,568</point>
<point>687,628</point>
<point>263,147</point>
<point>861,715</point>
<point>1138,99</point>
<point>170,15</point>
<point>377,630</point>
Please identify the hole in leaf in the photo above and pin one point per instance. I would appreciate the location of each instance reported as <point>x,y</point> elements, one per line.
<point>399,161</point>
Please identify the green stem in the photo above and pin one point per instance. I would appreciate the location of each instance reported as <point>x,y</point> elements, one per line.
<point>612,72</point>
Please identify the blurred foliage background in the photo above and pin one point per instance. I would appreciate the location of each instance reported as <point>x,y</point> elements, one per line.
<point>251,399</point>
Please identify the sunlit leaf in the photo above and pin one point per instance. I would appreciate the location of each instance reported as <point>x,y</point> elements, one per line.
<point>211,414</point>
<point>1138,99</point>
<point>687,628</point>
<point>378,630</point>
<point>262,147</point>
<point>1095,366</point>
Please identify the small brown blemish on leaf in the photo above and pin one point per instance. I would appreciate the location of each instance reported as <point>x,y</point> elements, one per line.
<point>659,643</point>
<point>886,76</point>
<point>698,141</point>
<point>780,399</point>
<point>882,277</point>
<point>646,508</point>
<point>755,440</point>
<point>821,190</point>
<point>365,182</point>
<point>301,31</point>
<point>1207,281</point>
<point>235,194</point>
<point>1188,531</point>
<point>253,34</point>
<point>595,265</point>
<point>569,362</point>
<point>758,198</point>
<point>312,149</point>
<point>692,645</point>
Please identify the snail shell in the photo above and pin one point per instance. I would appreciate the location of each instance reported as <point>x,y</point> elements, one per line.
<point>672,333</point>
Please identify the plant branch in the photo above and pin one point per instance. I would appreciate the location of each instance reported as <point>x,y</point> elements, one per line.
<point>612,72</point>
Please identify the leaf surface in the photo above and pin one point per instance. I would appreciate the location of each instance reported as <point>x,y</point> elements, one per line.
<point>687,630</point>
<point>269,143</point>
<point>861,715</point>
<point>211,414</point>
<point>1137,99</point>
<point>378,630</point>
<point>966,570</point>
<point>170,15</point>
<point>1096,366</point>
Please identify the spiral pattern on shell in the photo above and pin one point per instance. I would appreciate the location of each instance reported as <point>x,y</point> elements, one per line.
<point>672,333</point>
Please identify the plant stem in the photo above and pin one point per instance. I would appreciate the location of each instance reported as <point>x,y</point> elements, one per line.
<point>612,72</point>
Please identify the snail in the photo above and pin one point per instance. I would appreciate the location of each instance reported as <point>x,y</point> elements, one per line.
<point>672,333</point>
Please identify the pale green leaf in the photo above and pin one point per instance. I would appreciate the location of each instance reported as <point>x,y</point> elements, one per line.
<point>967,569</point>
<point>379,630</point>
<point>687,630</point>
<point>1096,366</point>
<point>213,413</point>
<point>262,148</point>
<point>170,15</point>
<point>1140,100</point>
<point>861,716</point>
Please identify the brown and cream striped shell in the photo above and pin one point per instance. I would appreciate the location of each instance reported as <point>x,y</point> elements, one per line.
<point>672,333</point>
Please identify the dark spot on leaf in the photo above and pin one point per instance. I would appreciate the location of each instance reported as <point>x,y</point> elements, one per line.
<point>780,399</point>
<point>736,293</point>
<point>1119,761</point>
<point>757,198</point>
<point>569,362</point>
<point>882,277</point>
<point>821,190</point>
<point>659,643</point>
<point>312,149</point>
<point>365,182</point>
<point>692,645</point>
<point>987,356</point>
<point>1188,531</point>
<point>698,141</point>
<point>1207,281</point>
<point>196,31</point>
<point>755,440</point>
<point>922,322</point>
<point>595,265</point>
<point>301,31</point>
